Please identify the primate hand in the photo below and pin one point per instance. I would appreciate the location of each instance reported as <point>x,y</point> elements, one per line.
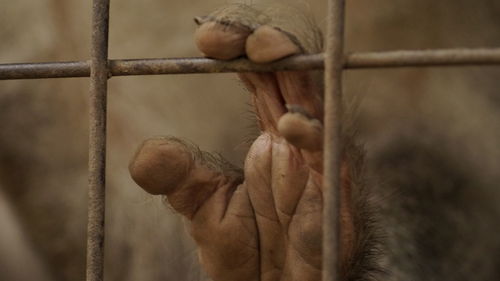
<point>262,222</point>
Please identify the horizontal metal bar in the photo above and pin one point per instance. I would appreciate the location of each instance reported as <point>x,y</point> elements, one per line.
<point>154,66</point>
<point>411,58</point>
<point>416,58</point>
<point>45,70</point>
<point>204,65</point>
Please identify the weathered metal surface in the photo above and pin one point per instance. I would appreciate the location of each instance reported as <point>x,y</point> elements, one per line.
<point>332,140</point>
<point>154,66</point>
<point>419,58</point>
<point>387,59</point>
<point>44,70</point>
<point>97,140</point>
<point>204,65</point>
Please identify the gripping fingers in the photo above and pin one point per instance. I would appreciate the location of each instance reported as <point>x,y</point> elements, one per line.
<point>223,33</point>
<point>237,30</point>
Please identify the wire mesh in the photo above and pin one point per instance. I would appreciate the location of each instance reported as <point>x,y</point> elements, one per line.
<point>100,68</point>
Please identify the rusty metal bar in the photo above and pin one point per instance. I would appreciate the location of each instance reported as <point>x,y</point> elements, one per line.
<point>334,63</point>
<point>154,66</point>
<point>204,65</point>
<point>44,70</point>
<point>97,140</point>
<point>412,58</point>
<point>408,58</point>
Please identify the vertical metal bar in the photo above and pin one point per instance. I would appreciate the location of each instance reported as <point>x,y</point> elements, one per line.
<point>97,140</point>
<point>332,140</point>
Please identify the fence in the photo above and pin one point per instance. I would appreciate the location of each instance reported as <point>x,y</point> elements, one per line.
<point>334,61</point>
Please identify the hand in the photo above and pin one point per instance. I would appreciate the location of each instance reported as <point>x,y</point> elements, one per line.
<point>262,222</point>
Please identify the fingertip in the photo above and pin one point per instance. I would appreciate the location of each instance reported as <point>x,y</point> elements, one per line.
<point>267,44</point>
<point>219,41</point>
<point>301,131</point>
<point>160,165</point>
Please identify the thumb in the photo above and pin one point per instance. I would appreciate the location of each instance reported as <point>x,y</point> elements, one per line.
<point>182,172</point>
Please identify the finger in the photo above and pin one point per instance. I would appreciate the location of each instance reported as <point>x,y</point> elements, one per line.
<point>223,34</point>
<point>300,129</point>
<point>182,172</point>
<point>266,98</point>
<point>304,132</point>
<point>282,37</point>
<point>296,23</point>
<point>289,30</point>
<point>219,41</point>
<point>267,44</point>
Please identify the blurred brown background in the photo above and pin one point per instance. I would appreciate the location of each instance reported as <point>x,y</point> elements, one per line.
<point>43,136</point>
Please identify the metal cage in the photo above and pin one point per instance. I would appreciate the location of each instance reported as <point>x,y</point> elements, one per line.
<point>333,61</point>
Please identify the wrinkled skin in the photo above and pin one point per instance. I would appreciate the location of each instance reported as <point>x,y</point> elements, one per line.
<point>262,223</point>
<point>421,205</point>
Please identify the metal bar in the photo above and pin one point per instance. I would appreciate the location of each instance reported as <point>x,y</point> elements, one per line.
<point>97,140</point>
<point>411,58</point>
<point>155,66</point>
<point>332,140</point>
<point>408,58</point>
<point>204,65</point>
<point>45,70</point>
